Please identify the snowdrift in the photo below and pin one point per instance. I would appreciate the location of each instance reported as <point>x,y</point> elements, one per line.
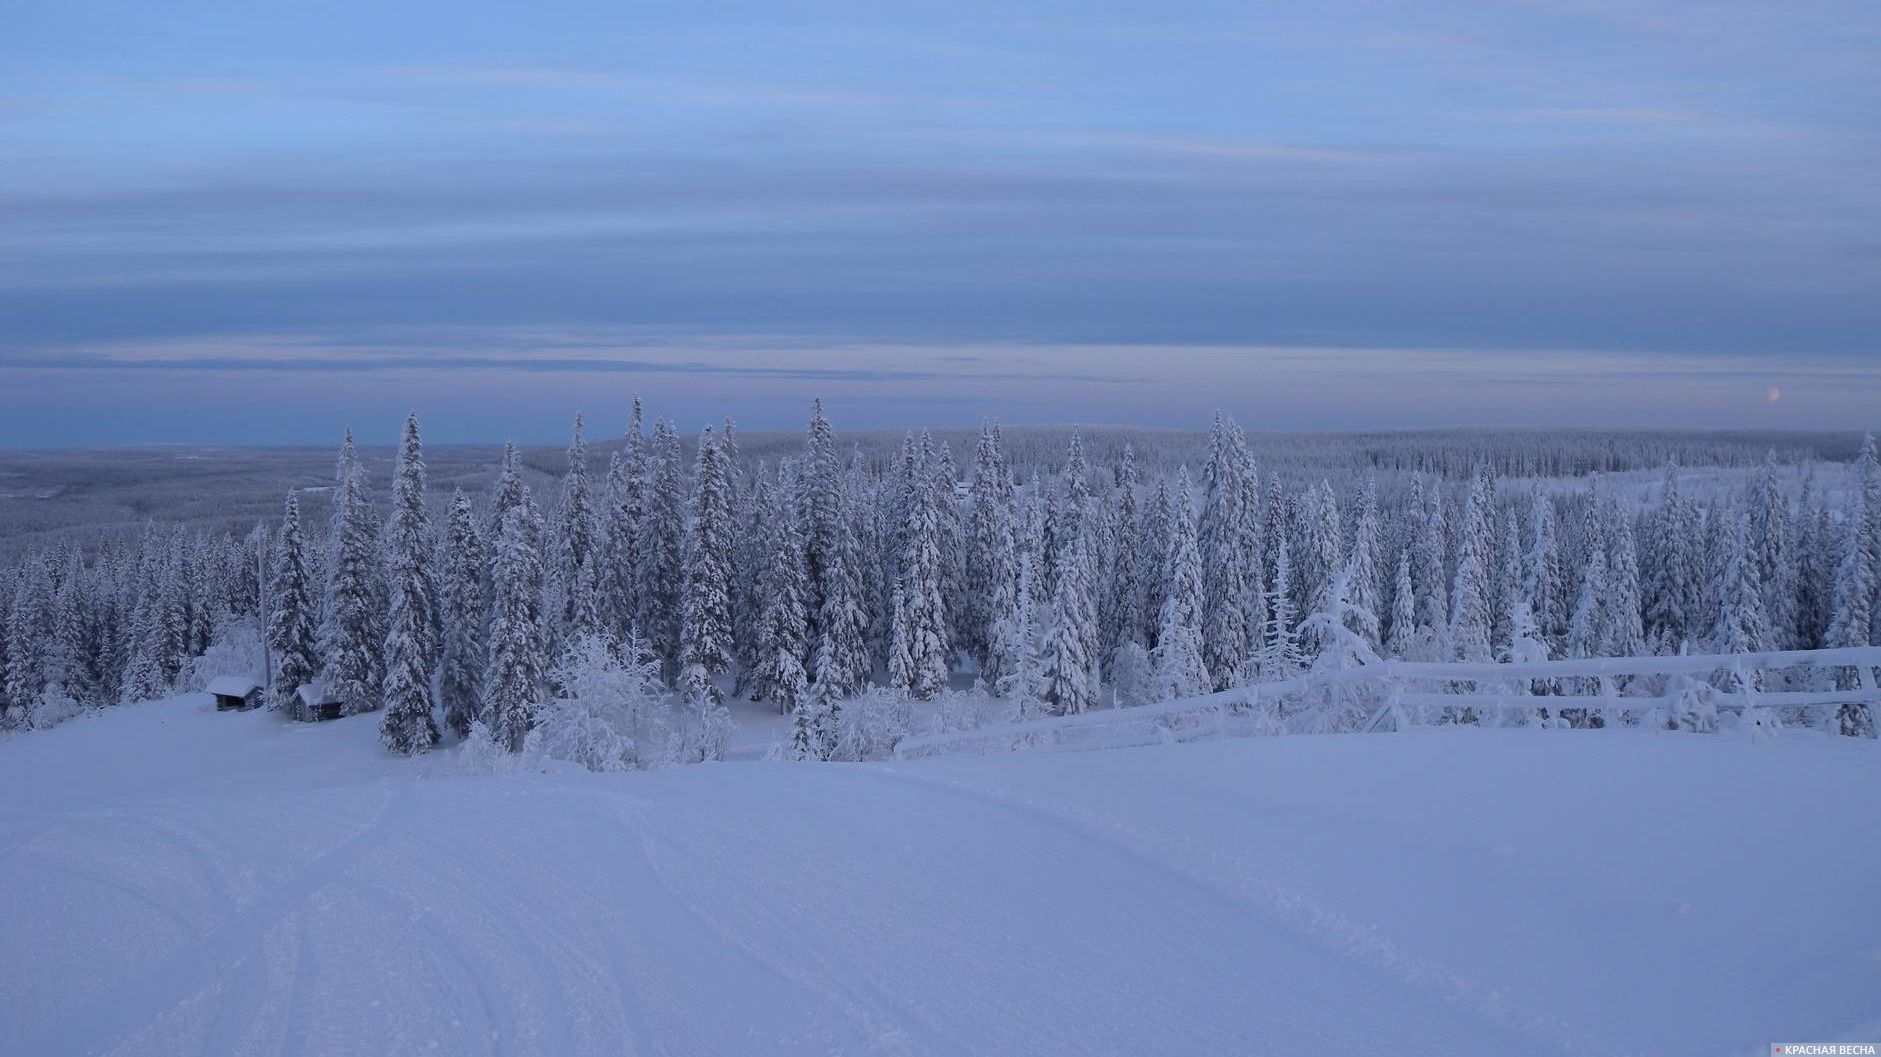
<point>177,881</point>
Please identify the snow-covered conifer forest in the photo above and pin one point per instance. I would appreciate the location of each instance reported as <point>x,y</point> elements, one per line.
<point>863,594</point>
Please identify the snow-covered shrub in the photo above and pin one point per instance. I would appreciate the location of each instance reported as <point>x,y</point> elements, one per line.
<point>235,649</point>
<point>1694,709</point>
<point>956,711</point>
<point>482,753</point>
<point>1132,674</point>
<point>54,707</point>
<point>872,722</point>
<point>705,730</point>
<point>1263,718</point>
<point>608,712</point>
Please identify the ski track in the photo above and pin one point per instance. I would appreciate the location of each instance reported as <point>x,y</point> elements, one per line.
<point>136,1003</point>
<point>1297,909</point>
<point>843,994</point>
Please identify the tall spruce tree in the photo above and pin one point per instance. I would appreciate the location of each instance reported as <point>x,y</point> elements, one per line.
<point>1180,670</point>
<point>463,565</point>
<point>1018,676</point>
<point>661,550</point>
<point>575,537</point>
<point>706,610</point>
<point>353,638</point>
<point>919,649</point>
<point>411,642</point>
<point>783,627</point>
<point>1469,600</point>
<point>1070,675</point>
<point>516,673</point>
<point>1225,556</point>
<point>1123,609</point>
<point>992,555</point>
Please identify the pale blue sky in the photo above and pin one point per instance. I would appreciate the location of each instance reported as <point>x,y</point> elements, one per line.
<point>1318,215</point>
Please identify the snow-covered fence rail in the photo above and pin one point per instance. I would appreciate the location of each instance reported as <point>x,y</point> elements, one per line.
<point>1634,686</point>
<point>1182,719</point>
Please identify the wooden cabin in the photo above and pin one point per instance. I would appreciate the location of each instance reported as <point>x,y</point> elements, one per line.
<point>234,692</point>
<point>313,703</point>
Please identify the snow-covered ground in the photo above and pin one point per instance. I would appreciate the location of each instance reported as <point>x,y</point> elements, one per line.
<point>174,880</point>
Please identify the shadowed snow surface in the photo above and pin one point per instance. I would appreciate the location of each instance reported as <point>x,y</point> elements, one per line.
<point>173,880</point>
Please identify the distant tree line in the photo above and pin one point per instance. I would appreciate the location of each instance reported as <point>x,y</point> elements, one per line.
<point>812,575</point>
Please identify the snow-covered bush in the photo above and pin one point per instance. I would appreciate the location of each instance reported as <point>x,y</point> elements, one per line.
<point>54,707</point>
<point>1131,675</point>
<point>872,722</point>
<point>705,730</point>
<point>482,753</point>
<point>235,649</point>
<point>956,711</point>
<point>608,713</point>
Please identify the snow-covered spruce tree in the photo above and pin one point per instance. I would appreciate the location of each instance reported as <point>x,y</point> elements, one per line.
<point>29,635</point>
<point>411,642</point>
<point>706,610</point>
<point>1276,525</point>
<point>823,518</point>
<point>1071,642</point>
<point>1586,629</point>
<point>1671,572</point>
<point>1225,553</point>
<point>767,502</point>
<point>992,556</point>
<point>1469,601</point>
<point>1317,550</point>
<point>919,649</point>
<point>1626,636</point>
<point>1020,679</point>
<point>1362,578</point>
<point>1123,609</point>
<point>353,638</point>
<point>575,535</point>
<point>1815,565</point>
<point>952,540</point>
<point>1153,559</point>
<point>1740,625</point>
<point>292,636</point>
<point>622,511</point>
<point>510,492</point>
<point>1403,627</point>
<point>1281,656</point>
<point>1338,647</point>
<point>841,666</point>
<point>1253,576</point>
<point>1427,568</point>
<point>1772,542</point>
<point>661,559</point>
<point>463,609</point>
<point>516,673</point>
<point>1075,500</point>
<point>1525,645</point>
<point>1854,593</point>
<point>783,625</point>
<point>1179,669</point>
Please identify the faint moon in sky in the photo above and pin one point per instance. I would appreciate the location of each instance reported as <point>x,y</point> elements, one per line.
<point>1773,395</point>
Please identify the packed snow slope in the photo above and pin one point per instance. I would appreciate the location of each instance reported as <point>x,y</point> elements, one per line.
<point>174,881</point>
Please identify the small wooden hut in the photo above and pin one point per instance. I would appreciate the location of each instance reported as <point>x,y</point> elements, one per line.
<point>234,692</point>
<point>313,702</point>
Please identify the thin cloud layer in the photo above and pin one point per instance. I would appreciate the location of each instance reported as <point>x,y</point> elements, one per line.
<point>1685,188</point>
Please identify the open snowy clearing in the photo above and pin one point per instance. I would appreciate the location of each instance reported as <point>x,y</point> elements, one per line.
<point>177,881</point>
